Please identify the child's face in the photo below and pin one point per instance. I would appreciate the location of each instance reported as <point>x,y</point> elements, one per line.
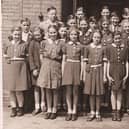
<point>92,25</point>
<point>37,35</point>
<point>52,33</point>
<point>126,27</point>
<point>115,20</point>
<point>117,39</point>
<point>83,25</point>
<point>73,35</point>
<point>105,12</point>
<point>52,14</point>
<point>96,38</point>
<point>105,25</point>
<point>63,32</point>
<point>72,23</point>
<point>80,14</point>
<point>125,15</point>
<point>17,35</point>
<point>25,26</point>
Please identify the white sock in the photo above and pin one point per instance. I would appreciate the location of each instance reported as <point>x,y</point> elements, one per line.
<point>49,110</point>
<point>13,104</point>
<point>37,106</point>
<point>74,112</point>
<point>43,104</point>
<point>70,111</point>
<point>97,113</point>
<point>92,112</point>
<point>54,110</point>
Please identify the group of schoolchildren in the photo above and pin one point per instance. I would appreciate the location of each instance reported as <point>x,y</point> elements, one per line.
<point>60,59</point>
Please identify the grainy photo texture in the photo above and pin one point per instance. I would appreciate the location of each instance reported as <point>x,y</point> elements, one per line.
<point>65,64</point>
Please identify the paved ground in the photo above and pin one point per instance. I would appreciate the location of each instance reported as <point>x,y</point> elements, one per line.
<point>30,122</point>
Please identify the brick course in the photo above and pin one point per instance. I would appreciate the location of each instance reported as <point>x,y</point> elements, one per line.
<point>14,10</point>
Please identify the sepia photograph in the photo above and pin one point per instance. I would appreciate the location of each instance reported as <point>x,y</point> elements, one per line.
<point>64,64</point>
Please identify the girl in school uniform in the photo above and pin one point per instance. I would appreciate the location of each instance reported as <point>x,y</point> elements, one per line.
<point>27,37</point>
<point>35,63</point>
<point>71,21</point>
<point>50,72</point>
<point>63,33</point>
<point>83,28</point>
<point>73,54</point>
<point>106,33</point>
<point>95,57</point>
<point>92,27</point>
<point>62,39</point>
<point>15,54</point>
<point>117,73</point>
<point>105,14</point>
<point>106,40</point>
<point>51,20</point>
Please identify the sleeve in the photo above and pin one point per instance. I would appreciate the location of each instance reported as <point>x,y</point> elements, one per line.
<point>127,54</point>
<point>64,48</point>
<point>31,56</point>
<point>86,52</point>
<point>42,46</point>
<point>82,51</point>
<point>105,54</point>
<point>5,53</point>
<point>5,48</point>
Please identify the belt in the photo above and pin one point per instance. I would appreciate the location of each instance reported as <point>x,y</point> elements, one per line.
<point>74,61</point>
<point>17,59</point>
<point>96,66</point>
<point>118,62</point>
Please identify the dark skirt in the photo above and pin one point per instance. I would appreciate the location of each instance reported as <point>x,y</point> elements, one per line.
<point>117,72</point>
<point>94,81</point>
<point>18,79</point>
<point>71,75</point>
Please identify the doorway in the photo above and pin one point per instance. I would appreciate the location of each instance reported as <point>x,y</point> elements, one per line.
<point>92,7</point>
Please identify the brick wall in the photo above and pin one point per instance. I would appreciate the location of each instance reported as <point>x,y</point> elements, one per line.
<point>14,10</point>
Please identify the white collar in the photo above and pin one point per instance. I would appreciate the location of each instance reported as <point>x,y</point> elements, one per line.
<point>50,22</point>
<point>95,46</point>
<point>51,41</point>
<point>13,42</point>
<point>121,46</point>
<point>71,43</point>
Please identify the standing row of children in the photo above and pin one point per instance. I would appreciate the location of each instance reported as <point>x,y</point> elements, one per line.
<point>58,57</point>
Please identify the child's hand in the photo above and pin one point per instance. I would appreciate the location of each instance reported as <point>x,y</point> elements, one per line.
<point>124,83</point>
<point>104,79</point>
<point>111,80</point>
<point>35,72</point>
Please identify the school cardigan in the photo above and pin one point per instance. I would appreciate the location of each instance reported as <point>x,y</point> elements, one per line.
<point>34,58</point>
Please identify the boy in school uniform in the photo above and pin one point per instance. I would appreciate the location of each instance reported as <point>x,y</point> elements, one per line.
<point>26,32</point>
<point>51,20</point>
